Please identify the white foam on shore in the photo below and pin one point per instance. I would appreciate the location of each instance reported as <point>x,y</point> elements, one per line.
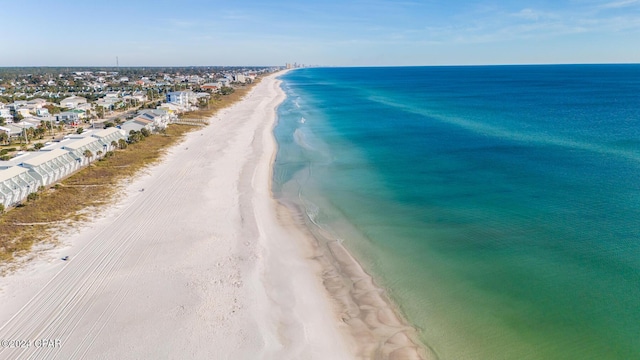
<point>204,264</point>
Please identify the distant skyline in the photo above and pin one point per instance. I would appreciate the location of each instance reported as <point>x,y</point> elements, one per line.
<point>328,33</point>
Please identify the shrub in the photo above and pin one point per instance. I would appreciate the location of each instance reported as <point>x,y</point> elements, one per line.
<point>226,90</point>
<point>32,197</point>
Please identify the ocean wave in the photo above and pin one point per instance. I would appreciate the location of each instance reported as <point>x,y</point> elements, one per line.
<point>507,134</point>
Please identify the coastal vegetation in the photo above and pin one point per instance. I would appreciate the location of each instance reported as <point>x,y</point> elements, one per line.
<point>219,100</point>
<point>80,196</point>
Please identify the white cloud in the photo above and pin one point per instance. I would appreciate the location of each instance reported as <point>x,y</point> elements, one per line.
<point>620,4</point>
<point>528,14</point>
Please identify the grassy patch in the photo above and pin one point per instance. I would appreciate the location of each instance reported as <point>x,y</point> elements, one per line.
<point>94,186</point>
<point>218,101</point>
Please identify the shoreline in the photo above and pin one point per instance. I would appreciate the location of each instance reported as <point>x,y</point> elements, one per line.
<point>373,319</point>
<point>204,262</point>
<point>196,266</point>
<point>376,324</point>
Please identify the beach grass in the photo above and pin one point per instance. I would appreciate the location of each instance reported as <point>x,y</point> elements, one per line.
<point>219,101</point>
<point>75,198</point>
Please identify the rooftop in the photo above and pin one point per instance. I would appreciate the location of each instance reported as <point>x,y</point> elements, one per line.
<point>77,144</point>
<point>42,157</point>
<point>11,172</point>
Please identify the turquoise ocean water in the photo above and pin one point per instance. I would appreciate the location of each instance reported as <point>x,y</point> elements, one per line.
<point>499,205</point>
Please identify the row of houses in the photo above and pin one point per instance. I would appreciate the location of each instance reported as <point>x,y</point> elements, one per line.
<point>25,173</point>
<point>36,107</point>
<point>75,105</point>
<point>151,119</point>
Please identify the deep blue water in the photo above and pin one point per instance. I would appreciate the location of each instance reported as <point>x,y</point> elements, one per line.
<point>499,205</point>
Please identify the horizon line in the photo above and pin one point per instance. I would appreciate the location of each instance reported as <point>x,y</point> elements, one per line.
<point>313,66</point>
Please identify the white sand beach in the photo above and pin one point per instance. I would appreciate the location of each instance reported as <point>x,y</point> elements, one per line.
<point>196,266</point>
<point>202,264</point>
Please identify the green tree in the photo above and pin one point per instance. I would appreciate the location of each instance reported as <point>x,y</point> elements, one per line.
<point>80,130</point>
<point>45,124</point>
<point>226,90</point>
<point>3,122</point>
<point>134,136</point>
<point>114,144</point>
<point>39,132</point>
<point>100,112</point>
<point>30,132</point>
<point>122,144</point>
<point>38,146</point>
<point>53,109</point>
<point>88,154</point>
<point>4,137</point>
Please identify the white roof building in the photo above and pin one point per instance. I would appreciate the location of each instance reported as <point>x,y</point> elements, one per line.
<point>159,117</point>
<point>72,102</point>
<point>11,129</point>
<point>15,185</point>
<point>171,109</point>
<point>5,113</point>
<point>106,136</point>
<point>133,125</point>
<point>181,98</point>
<point>37,102</point>
<point>76,149</point>
<point>46,167</point>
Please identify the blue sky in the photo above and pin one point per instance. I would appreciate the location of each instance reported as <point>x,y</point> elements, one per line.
<point>329,32</point>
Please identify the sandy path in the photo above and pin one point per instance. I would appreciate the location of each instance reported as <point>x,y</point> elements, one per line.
<point>195,266</point>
